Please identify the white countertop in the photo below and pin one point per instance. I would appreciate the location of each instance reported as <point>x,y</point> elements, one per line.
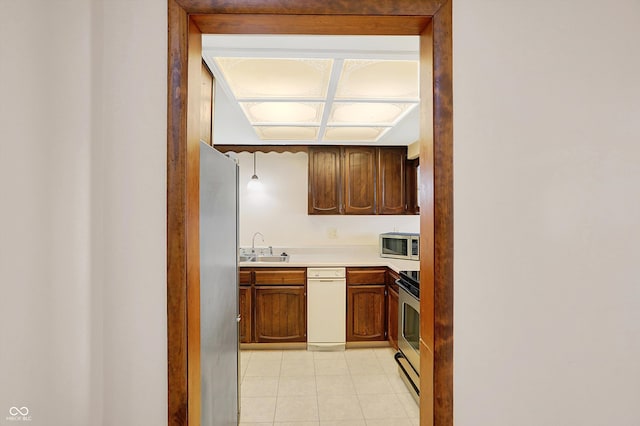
<point>335,256</point>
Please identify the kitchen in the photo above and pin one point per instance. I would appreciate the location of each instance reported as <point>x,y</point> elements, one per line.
<point>282,217</point>
<point>545,149</point>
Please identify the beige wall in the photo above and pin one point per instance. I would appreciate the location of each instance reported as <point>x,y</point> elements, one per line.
<point>130,169</point>
<point>82,223</point>
<point>547,213</point>
<point>46,328</point>
<point>546,197</point>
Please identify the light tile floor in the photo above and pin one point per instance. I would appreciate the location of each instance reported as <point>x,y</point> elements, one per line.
<point>297,387</point>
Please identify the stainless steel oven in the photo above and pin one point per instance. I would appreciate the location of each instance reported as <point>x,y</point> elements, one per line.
<point>408,356</point>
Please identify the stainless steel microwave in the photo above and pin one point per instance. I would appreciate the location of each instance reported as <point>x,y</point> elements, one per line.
<point>400,245</point>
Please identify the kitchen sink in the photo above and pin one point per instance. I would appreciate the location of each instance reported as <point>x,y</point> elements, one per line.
<point>264,258</point>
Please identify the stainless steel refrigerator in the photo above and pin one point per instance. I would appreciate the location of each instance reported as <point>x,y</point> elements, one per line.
<point>218,287</point>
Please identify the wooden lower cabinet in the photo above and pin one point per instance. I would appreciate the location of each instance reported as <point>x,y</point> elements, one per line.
<point>392,308</point>
<point>366,300</point>
<point>392,317</point>
<point>280,314</point>
<point>273,305</point>
<point>365,313</point>
<point>245,314</point>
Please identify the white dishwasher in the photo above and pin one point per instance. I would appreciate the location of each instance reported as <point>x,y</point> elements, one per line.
<point>326,309</point>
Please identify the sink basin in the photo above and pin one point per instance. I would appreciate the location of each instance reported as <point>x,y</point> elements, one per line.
<point>264,258</point>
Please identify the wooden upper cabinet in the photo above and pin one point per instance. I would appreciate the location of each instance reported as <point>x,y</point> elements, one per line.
<point>325,180</point>
<point>411,186</point>
<point>391,180</point>
<point>359,180</point>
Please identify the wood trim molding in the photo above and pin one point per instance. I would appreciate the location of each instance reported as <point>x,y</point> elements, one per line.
<point>181,185</point>
<point>310,24</point>
<point>176,216</point>
<point>262,148</point>
<point>194,90</point>
<point>443,215</point>
<point>314,7</point>
<point>427,212</point>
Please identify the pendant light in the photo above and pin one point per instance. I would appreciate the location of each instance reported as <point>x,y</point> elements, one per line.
<point>254,183</point>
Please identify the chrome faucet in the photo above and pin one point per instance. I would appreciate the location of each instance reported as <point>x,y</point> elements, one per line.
<point>253,241</point>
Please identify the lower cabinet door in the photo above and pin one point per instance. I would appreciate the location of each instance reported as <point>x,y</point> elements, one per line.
<point>280,314</point>
<point>392,317</point>
<point>245,314</point>
<point>365,313</point>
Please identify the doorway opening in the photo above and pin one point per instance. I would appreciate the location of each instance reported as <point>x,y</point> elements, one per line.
<point>431,20</point>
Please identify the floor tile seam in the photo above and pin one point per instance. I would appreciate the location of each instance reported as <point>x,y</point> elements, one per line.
<point>409,416</point>
<point>342,420</point>
<point>288,421</point>
<point>406,417</point>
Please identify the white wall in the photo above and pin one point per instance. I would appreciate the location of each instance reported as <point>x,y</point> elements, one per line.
<point>46,354</point>
<point>82,224</point>
<point>130,172</point>
<point>279,210</point>
<point>547,208</point>
<point>547,301</point>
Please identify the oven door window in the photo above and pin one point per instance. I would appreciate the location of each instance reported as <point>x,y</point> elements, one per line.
<point>395,246</point>
<point>411,326</point>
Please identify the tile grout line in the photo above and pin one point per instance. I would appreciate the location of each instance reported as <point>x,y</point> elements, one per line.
<point>275,409</point>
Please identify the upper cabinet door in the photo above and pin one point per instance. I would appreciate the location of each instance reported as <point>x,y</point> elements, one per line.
<point>411,186</point>
<point>359,180</point>
<point>325,181</point>
<point>390,182</point>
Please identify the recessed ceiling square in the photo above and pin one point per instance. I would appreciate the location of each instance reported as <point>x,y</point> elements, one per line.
<point>285,133</point>
<point>283,112</point>
<point>257,78</point>
<point>379,113</point>
<point>372,79</point>
<point>353,134</point>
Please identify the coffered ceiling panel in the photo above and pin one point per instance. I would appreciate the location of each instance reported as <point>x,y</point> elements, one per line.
<point>283,112</point>
<point>370,79</point>
<point>367,113</point>
<point>287,133</point>
<point>312,89</point>
<point>260,78</point>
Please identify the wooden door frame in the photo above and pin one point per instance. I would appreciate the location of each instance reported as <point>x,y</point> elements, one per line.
<point>430,19</point>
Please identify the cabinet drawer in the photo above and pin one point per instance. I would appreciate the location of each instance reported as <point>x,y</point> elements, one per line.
<point>360,276</point>
<point>244,277</point>
<point>280,276</point>
<point>392,276</point>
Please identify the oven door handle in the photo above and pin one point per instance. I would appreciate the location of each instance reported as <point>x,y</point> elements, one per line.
<point>397,357</point>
